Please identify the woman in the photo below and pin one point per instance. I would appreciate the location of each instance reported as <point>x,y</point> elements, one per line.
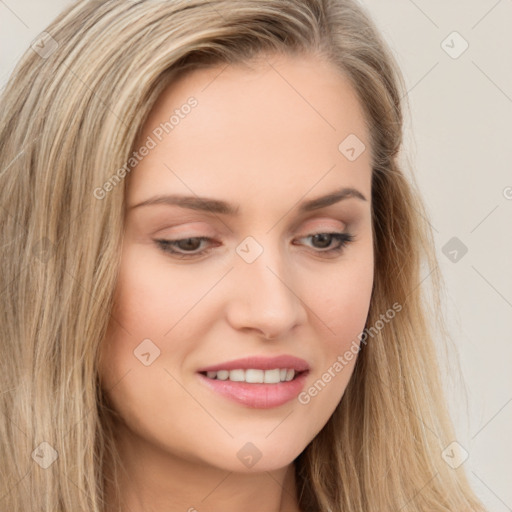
<point>211,268</point>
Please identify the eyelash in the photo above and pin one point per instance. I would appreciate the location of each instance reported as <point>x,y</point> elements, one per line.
<point>167,245</point>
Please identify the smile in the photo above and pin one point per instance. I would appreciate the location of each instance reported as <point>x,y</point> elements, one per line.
<point>253,375</point>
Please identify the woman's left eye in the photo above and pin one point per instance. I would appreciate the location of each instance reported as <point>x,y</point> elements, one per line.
<point>186,247</point>
<point>343,239</point>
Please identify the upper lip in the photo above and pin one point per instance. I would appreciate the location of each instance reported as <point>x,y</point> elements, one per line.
<point>261,363</point>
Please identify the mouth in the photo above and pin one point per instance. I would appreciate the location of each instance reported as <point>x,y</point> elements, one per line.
<point>257,382</point>
<point>255,375</point>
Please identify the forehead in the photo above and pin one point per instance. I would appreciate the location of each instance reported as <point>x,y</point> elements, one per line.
<point>278,126</point>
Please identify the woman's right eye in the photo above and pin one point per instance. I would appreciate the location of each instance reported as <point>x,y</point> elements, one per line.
<point>185,244</point>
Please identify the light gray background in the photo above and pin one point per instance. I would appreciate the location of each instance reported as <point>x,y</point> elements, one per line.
<point>459,139</point>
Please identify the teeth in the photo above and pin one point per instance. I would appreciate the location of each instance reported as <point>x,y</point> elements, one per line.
<point>254,376</point>
<point>237,375</point>
<point>272,376</point>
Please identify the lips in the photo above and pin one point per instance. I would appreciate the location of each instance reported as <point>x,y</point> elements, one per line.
<point>257,395</point>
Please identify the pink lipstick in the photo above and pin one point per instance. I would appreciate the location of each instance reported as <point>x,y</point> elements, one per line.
<point>257,382</point>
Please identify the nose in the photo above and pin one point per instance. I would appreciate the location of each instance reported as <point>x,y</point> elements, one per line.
<point>265,297</point>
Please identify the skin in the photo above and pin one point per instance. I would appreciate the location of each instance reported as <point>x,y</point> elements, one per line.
<point>264,138</point>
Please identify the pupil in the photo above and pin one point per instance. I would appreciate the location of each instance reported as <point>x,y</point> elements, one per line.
<point>186,244</point>
<point>324,237</point>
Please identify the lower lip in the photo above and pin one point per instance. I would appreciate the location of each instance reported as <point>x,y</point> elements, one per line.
<point>257,396</point>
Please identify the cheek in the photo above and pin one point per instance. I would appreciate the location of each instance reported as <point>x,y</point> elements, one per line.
<point>154,301</point>
<point>341,308</point>
<point>150,303</point>
<point>342,300</point>
<point>152,297</point>
<point>138,315</point>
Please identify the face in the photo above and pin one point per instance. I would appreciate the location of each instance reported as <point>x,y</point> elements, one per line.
<point>264,271</point>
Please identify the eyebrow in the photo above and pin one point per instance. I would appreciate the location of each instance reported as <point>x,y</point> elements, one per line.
<point>224,208</point>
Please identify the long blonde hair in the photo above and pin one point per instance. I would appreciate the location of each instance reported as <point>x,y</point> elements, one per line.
<point>70,114</point>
